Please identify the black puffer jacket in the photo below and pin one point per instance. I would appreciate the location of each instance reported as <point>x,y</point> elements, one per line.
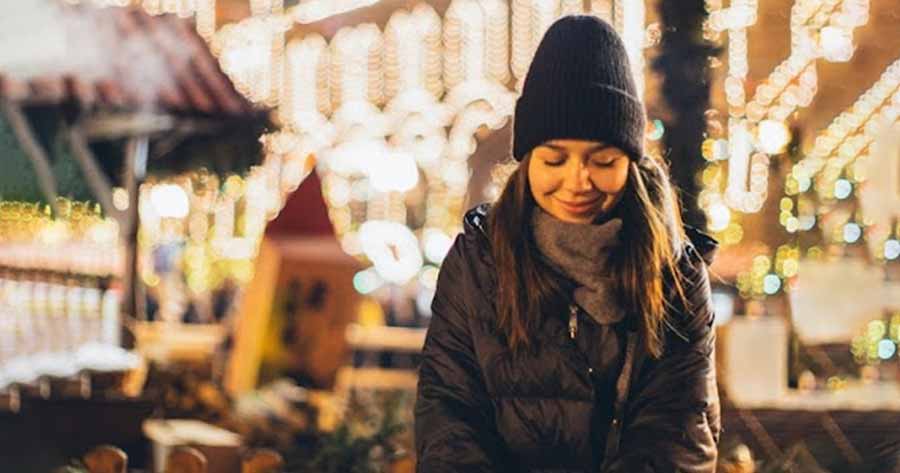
<point>480,409</point>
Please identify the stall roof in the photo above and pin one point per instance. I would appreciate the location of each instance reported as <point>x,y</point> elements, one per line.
<point>188,79</point>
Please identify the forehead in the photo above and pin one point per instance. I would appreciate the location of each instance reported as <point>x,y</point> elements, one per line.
<point>577,146</point>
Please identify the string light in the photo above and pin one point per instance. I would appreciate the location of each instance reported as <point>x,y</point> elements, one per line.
<point>792,84</point>
<point>436,244</point>
<point>421,89</point>
<point>392,248</point>
<point>852,131</point>
<point>170,201</point>
<point>306,98</point>
<point>891,249</point>
<point>772,136</point>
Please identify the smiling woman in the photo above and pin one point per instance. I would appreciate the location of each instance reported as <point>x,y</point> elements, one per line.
<point>571,322</point>
<point>577,181</point>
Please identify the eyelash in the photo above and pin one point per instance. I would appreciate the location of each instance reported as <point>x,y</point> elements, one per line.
<point>559,163</point>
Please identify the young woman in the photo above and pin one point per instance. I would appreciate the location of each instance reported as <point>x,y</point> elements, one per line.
<point>572,324</point>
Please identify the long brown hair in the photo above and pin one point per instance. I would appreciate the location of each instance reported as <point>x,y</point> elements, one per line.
<point>651,229</point>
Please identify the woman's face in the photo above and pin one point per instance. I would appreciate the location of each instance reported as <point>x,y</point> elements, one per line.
<point>575,180</point>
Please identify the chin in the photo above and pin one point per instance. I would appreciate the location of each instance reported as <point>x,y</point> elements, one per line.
<point>581,218</point>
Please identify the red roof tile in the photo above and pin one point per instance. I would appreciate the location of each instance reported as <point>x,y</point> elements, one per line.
<point>192,82</point>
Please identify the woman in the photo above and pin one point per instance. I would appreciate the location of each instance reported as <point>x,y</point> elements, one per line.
<point>572,324</point>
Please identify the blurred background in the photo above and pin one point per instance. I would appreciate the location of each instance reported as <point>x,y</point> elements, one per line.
<point>221,221</point>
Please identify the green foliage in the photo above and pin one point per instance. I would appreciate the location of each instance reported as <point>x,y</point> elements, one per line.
<point>365,442</point>
<point>18,181</point>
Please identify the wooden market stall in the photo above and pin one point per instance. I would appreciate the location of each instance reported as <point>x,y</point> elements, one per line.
<point>77,144</point>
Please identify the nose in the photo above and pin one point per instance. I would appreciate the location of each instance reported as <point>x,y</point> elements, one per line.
<point>578,177</point>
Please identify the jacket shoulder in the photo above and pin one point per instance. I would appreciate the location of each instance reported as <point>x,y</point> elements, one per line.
<point>693,317</point>
<point>702,243</point>
<point>475,221</point>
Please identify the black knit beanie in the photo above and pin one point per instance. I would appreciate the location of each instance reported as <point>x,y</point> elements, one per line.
<point>579,86</point>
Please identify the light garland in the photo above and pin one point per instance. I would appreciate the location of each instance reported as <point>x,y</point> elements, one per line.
<point>354,75</point>
<point>465,54</point>
<point>757,125</point>
<point>393,249</point>
<point>78,242</point>
<point>420,89</point>
<point>246,52</point>
<point>817,30</point>
<point>476,41</point>
<point>202,11</point>
<point>853,130</point>
<point>633,34</point>
<point>307,99</point>
<point>412,41</point>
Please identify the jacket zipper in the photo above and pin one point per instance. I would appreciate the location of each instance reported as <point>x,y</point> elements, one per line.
<point>573,321</point>
<point>573,332</point>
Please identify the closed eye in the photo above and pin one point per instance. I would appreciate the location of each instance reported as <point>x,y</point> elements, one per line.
<point>604,160</point>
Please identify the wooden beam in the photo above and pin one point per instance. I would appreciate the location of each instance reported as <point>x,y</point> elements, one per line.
<point>35,152</point>
<point>378,13</point>
<point>96,179</point>
<point>125,125</point>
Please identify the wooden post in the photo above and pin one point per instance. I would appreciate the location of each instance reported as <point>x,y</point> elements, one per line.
<point>135,172</point>
<point>96,180</point>
<point>106,459</point>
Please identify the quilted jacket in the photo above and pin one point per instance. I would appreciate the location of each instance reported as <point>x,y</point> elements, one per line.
<point>586,400</point>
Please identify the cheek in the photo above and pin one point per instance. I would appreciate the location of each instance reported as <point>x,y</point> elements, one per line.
<point>610,182</point>
<point>542,182</point>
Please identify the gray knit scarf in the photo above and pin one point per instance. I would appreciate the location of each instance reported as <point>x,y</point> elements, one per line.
<point>581,252</point>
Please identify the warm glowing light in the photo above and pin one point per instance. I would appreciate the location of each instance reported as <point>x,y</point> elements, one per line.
<point>719,217</point>
<point>392,171</point>
<point>891,249</point>
<point>392,248</point>
<point>367,281</point>
<point>836,44</point>
<point>437,244</point>
<point>852,232</point>
<point>771,284</point>
<point>120,198</point>
<point>170,200</point>
<point>772,136</point>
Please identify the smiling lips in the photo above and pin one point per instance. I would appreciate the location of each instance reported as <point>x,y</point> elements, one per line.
<point>578,207</point>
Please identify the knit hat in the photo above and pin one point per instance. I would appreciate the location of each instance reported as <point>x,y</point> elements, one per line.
<point>579,86</point>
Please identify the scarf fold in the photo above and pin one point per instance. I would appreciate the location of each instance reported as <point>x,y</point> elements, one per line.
<point>580,252</point>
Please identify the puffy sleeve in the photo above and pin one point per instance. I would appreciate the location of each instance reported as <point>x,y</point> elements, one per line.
<point>454,426</point>
<point>671,420</point>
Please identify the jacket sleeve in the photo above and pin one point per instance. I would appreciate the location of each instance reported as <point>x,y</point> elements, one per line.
<point>454,427</point>
<point>672,419</point>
